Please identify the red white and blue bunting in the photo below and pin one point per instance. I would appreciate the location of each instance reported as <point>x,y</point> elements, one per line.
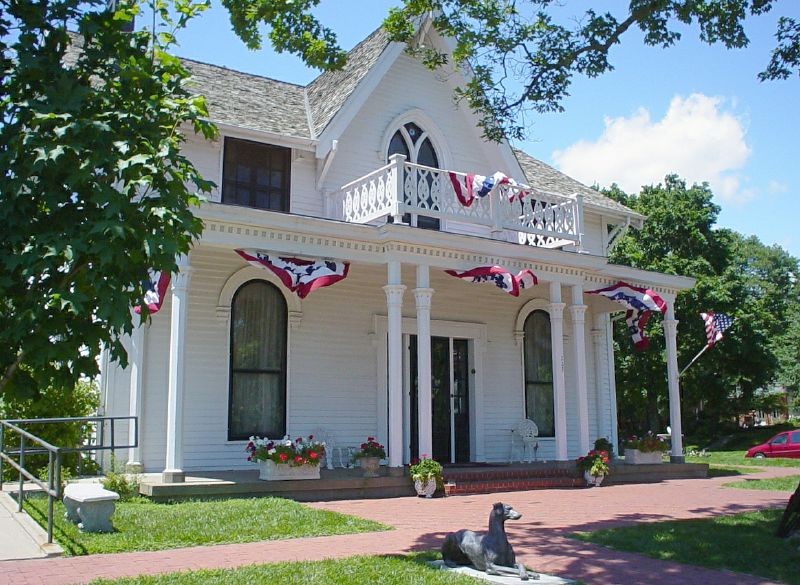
<point>502,278</point>
<point>299,275</point>
<point>155,289</point>
<point>471,186</point>
<point>640,302</point>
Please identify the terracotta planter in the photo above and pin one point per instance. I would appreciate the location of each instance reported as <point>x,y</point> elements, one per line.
<point>271,471</point>
<point>593,480</point>
<point>636,457</point>
<point>425,487</point>
<point>370,465</point>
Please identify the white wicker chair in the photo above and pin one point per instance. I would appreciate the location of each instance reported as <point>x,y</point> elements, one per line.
<point>524,441</point>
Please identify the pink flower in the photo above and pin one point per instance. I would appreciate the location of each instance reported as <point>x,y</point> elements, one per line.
<point>283,456</point>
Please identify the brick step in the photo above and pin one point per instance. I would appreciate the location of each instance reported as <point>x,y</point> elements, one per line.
<point>508,474</point>
<point>511,485</point>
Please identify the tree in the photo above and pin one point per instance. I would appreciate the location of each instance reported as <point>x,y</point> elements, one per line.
<point>523,55</point>
<point>94,190</point>
<point>735,275</point>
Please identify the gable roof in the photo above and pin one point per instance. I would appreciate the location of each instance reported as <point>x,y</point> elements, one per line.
<point>251,101</point>
<point>542,176</point>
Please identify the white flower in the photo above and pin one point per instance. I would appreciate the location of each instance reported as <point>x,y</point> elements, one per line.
<point>271,452</point>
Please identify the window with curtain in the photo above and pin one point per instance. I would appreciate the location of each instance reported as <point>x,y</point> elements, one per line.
<point>257,403</point>
<point>256,174</point>
<point>539,373</point>
<point>412,142</point>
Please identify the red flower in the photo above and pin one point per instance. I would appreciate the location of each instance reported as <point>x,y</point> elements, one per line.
<point>283,456</point>
<point>298,459</point>
<point>370,438</point>
<point>312,454</point>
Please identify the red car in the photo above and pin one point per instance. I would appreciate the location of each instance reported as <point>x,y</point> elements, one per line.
<point>785,444</point>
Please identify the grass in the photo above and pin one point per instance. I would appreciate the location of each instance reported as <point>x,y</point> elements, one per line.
<point>744,543</point>
<point>737,459</point>
<point>782,484</point>
<point>144,525</point>
<point>391,570</point>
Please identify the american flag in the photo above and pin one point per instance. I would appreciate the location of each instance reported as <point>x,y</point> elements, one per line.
<point>155,289</point>
<point>299,275</point>
<point>640,302</point>
<point>716,324</point>
<point>502,278</point>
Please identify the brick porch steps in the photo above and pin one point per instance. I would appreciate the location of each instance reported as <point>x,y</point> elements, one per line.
<point>476,480</point>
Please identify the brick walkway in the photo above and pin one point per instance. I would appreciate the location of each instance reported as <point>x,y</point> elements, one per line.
<point>539,537</point>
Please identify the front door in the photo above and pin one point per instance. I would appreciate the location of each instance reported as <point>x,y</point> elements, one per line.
<point>449,399</point>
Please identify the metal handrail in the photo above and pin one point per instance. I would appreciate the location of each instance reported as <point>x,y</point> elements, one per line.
<point>53,485</point>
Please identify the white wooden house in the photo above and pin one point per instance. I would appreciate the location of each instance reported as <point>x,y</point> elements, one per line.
<point>346,169</point>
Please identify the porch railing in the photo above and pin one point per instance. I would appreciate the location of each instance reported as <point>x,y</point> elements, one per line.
<point>535,217</point>
<point>30,444</point>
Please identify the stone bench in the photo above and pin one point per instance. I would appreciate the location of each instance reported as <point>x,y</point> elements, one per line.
<point>90,506</point>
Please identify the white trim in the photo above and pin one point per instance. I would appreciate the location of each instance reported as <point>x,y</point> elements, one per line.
<point>430,129</point>
<point>476,334</point>
<point>245,133</point>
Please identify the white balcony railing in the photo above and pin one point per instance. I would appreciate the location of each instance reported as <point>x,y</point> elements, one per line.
<point>530,216</point>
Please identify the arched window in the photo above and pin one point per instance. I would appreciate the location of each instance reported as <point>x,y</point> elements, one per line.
<point>539,373</point>
<point>413,142</point>
<point>257,403</point>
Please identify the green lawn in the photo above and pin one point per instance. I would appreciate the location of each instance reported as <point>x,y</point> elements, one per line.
<point>783,484</point>
<point>745,543</point>
<point>144,525</point>
<point>405,570</point>
<point>737,458</point>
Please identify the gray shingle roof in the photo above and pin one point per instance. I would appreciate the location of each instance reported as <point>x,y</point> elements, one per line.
<point>542,176</point>
<point>328,92</point>
<point>250,101</point>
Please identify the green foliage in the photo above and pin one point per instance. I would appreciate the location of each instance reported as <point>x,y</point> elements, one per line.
<point>787,483</point>
<point>124,484</point>
<point>603,444</point>
<point>735,275</point>
<point>745,543</point>
<point>595,462</point>
<point>53,402</point>
<point>141,525</point>
<point>425,469</point>
<point>94,182</point>
<point>522,55</point>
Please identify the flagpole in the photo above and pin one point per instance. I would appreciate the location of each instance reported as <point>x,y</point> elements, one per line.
<point>694,359</point>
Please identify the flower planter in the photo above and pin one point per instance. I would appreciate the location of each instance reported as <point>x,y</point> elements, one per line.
<point>593,480</point>
<point>425,487</point>
<point>271,471</point>
<point>636,457</point>
<point>370,465</point>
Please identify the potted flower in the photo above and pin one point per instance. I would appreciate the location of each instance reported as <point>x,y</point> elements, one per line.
<point>647,449</point>
<point>369,457</point>
<point>426,475</point>
<point>594,466</point>
<point>286,459</point>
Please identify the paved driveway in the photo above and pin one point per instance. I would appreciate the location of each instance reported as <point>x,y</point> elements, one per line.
<point>539,537</point>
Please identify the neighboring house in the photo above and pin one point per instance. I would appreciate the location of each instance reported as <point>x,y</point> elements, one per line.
<point>399,349</point>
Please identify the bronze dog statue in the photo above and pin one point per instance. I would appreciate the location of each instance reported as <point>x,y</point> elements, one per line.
<point>490,552</point>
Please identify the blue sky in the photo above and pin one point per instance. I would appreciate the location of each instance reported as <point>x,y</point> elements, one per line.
<point>695,110</point>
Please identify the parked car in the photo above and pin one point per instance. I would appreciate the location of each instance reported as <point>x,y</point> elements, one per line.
<point>785,444</point>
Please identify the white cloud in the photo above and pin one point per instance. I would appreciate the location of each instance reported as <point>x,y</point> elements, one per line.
<point>777,187</point>
<point>696,139</point>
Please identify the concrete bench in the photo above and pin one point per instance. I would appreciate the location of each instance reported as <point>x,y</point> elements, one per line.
<point>90,506</point>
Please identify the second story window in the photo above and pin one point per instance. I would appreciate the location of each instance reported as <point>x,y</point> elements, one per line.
<point>256,174</point>
<point>413,142</point>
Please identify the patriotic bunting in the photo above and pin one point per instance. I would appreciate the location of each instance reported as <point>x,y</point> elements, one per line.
<point>502,278</point>
<point>473,186</point>
<point>155,289</point>
<point>716,324</point>
<point>639,302</point>
<point>299,275</point>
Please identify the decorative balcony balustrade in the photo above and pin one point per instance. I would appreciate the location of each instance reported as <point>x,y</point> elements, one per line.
<point>513,212</point>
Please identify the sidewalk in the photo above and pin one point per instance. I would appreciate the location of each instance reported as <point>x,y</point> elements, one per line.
<point>539,538</point>
<point>20,536</point>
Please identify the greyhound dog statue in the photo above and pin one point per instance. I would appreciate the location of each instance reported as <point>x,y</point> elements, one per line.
<point>489,552</point>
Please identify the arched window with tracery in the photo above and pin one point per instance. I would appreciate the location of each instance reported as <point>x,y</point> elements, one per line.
<point>414,143</point>
<point>257,400</point>
<point>539,403</point>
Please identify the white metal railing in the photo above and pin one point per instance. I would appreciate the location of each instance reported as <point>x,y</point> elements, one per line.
<point>535,217</point>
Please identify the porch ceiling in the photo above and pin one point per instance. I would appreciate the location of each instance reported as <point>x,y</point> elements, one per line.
<point>231,227</point>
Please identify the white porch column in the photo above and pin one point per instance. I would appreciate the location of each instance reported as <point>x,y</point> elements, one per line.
<point>394,304</point>
<point>177,346</point>
<point>138,337</point>
<point>556,310</point>
<point>577,311</point>
<point>422,295</point>
<point>671,336</point>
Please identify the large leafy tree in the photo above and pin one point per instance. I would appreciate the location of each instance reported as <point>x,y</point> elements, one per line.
<point>94,190</point>
<point>735,275</point>
<point>524,54</point>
